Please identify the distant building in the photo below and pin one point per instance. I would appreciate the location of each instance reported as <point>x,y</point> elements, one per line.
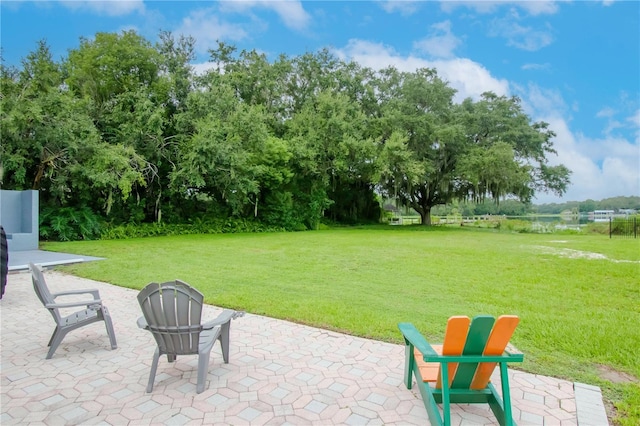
<point>601,215</point>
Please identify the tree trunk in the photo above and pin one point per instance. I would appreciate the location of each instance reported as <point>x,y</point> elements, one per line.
<point>425,216</point>
<point>36,180</point>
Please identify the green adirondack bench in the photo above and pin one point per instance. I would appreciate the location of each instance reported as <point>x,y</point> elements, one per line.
<point>459,370</point>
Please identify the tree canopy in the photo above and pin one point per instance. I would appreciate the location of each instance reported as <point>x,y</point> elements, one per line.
<point>128,130</point>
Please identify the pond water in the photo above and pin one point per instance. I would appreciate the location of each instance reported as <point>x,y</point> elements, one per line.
<point>565,220</point>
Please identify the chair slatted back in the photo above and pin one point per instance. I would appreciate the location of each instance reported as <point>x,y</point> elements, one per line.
<point>42,291</point>
<point>173,311</point>
<point>483,336</point>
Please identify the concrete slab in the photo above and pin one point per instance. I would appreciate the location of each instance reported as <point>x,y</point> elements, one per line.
<point>589,406</point>
<point>279,373</point>
<point>19,260</point>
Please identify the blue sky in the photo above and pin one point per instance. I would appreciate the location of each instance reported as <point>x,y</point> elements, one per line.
<point>574,64</point>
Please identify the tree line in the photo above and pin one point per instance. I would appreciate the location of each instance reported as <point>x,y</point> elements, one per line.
<point>124,130</point>
<point>589,205</point>
<point>511,207</point>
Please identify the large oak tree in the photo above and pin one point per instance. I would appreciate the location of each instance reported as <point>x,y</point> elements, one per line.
<point>435,151</point>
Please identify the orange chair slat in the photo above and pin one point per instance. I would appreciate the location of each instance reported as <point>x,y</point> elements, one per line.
<point>455,337</point>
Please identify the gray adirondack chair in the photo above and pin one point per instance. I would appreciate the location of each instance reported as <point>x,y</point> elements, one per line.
<point>94,310</point>
<point>172,312</point>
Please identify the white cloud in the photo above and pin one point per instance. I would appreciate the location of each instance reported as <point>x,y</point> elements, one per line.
<point>601,168</point>
<point>522,37</point>
<point>107,7</point>
<point>207,28</point>
<point>510,26</point>
<point>538,101</point>
<point>538,7</point>
<point>608,2</point>
<point>405,8</point>
<point>634,123</point>
<point>203,67</point>
<point>635,119</point>
<point>290,12</point>
<point>469,78</point>
<point>623,119</point>
<point>612,123</point>
<point>533,7</point>
<point>606,112</point>
<point>441,42</point>
<point>543,67</point>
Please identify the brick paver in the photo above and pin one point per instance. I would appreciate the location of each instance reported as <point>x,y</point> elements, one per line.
<point>279,373</point>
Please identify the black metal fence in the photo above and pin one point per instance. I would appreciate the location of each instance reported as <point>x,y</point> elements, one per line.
<point>624,227</point>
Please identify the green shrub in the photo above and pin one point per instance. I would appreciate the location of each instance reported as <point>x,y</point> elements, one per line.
<point>280,211</point>
<point>197,226</point>
<point>600,228</point>
<point>69,224</point>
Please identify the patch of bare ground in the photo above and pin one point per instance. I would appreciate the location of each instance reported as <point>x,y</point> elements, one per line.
<point>615,376</point>
<point>571,254</point>
<point>578,254</point>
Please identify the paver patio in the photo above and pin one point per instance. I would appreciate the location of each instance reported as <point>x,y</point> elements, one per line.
<point>279,373</point>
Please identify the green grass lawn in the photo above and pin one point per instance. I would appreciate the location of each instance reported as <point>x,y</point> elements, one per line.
<point>580,312</point>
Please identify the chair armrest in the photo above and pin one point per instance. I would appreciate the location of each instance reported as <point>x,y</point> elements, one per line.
<point>506,357</point>
<point>94,302</point>
<point>142,323</point>
<point>413,336</point>
<point>94,292</point>
<point>226,316</point>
